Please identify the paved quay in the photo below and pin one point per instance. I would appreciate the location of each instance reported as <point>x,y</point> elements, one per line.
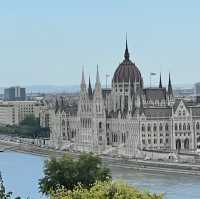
<point>140,165</point>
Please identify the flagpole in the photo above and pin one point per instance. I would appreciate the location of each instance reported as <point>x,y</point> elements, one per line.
<point>150,77</point>
<point>150,80</point>
<point>107,75</point>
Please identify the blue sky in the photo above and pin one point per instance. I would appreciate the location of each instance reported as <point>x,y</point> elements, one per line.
<point>48,42</point>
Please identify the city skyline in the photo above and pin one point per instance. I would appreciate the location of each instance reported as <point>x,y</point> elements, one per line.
<point>59,38</point>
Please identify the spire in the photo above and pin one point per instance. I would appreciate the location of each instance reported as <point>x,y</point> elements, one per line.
<point>83,84</point>
<point>62,103</point>
<point>97,91</point>
<point>160,83</point>
<point>90,89</point>
<point>126,54</point>
<point>56,106</point>
<point>83,77</point>
<point>97,76</point>
<point>170,91</point>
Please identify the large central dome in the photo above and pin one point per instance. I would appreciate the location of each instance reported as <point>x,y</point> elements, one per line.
<point>127,70</point>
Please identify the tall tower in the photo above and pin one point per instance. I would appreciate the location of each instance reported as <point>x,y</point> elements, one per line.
<point>160,82</point>
<point>99,117</point>
<point>84,117</point>
<point>170,92</point>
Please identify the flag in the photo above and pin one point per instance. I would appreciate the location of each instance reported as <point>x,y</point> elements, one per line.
<point>152,73</point>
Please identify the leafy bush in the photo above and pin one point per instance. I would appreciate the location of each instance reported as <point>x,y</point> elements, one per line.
<point>104,190</point>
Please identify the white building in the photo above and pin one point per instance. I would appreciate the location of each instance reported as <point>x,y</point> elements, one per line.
<point>126,119</point>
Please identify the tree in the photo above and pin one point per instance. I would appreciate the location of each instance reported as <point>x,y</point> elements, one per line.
<point>3,194</point>
<point>68,172</point>
<point>90,170</point>
<point>30,120</point>
<point>104,190</point>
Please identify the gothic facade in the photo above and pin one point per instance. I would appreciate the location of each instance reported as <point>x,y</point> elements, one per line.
<point>126,119</point>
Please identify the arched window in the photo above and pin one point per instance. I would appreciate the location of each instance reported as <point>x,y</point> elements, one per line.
<point>123,138</point>
<point>160,127</point>
<point>188,127</point>
<point>114,137</point>
<point>179,113</point>
<point>154,127</point>
<point>166,127</point>
<point>186,144</point>
<point>197,125</point>
<point>180,127</point>
<point>176,127</point>
<point>84,107</point>
<point>184,126</point>
<point>149,127</point>
<point>178,144</point>
<point>183,112</point>
<point>88,108</point>
<point>100,125</point>
<point>143,128</point>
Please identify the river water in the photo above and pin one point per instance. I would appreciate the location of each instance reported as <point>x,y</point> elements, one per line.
<point>22,171</point>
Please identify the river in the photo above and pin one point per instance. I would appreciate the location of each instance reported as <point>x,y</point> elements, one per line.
<point>22,171</point>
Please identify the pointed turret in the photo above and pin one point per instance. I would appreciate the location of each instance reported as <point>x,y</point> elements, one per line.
<point>170,90</point>
<point>83,76</point>
<point>98,83</point>
<point>160,83</point>
<point>83,84</point>
<point>62,105</point>
<point>126,54</point>
<point>97,76</point>
<point>56,106</point>
<point>90,93</point>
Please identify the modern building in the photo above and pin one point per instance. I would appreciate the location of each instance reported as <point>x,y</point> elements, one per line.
<point>13,112</point>
<point>126,119</point>
<point>197,89</point>
<point>8,114</point>
<point>15,94</point>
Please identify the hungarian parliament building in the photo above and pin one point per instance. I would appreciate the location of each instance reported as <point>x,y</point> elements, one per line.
<point>125,119</point>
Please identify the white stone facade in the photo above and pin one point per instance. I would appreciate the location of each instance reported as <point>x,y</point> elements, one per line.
<point>126,119</point>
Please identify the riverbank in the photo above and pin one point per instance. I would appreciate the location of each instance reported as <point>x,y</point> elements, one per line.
<point>140,165</point>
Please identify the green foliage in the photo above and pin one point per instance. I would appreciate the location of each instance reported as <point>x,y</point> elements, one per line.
<point>30,120</point>
<point>3,194</point>
<point>68,172</point>
<point>104,190</point>
<point>28,128</point>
